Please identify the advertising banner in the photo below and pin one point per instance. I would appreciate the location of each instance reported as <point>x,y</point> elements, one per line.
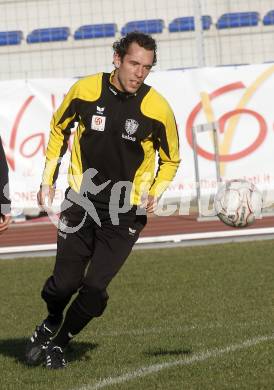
<point>240,99</point>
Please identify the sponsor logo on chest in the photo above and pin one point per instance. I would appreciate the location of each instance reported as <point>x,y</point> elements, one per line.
<point>98,122</point>
<point>131,126</point>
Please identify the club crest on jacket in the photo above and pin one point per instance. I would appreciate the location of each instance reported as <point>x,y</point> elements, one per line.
<point>131,126</point>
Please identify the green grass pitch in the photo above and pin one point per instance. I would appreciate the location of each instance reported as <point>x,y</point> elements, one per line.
<point>182,318</point>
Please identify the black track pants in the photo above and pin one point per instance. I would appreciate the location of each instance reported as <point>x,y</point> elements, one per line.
<point>88,258</point>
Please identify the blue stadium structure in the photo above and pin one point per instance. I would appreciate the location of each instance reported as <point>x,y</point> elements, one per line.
<point>48,34</point>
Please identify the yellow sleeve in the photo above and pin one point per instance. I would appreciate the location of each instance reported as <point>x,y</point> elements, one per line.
<point>60,129</point>
<point>63,120</point>
<point>168,141</point>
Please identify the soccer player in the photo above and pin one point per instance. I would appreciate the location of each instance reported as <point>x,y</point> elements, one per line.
<point>122,123</point>
<point>5,217</point>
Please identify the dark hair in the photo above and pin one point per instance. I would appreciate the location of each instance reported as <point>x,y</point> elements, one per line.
<point>144,40</point>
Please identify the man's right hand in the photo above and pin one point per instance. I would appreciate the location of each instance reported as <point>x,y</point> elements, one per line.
<point>5,220</point>
<point>45,197</point>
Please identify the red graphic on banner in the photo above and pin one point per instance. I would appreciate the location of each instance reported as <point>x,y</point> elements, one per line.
<point>222,121</point>
<point>14,131</point>
<point>37,140</point>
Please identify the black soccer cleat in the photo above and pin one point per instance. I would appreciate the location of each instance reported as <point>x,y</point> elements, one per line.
<point>54,357</point>
<point>38,342</point>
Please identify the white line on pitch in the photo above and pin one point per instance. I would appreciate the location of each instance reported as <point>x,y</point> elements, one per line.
<point>167,327</point>
<point>154,368</point>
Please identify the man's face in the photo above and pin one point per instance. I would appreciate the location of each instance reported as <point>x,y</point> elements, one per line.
<point>132,70</point>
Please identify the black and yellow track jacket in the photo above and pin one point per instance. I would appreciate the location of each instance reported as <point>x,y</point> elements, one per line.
<point>118,134</point>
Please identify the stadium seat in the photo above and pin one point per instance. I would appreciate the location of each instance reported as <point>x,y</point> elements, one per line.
<point>238,19</point>
<point>268,19</point>
<point>187,23</point>
<point>96,31</point>
<point>48,34</point>
<point>149,26</point>
<point>10,37</point>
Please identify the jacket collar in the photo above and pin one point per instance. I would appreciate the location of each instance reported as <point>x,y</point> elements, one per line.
<point>115,91</point>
